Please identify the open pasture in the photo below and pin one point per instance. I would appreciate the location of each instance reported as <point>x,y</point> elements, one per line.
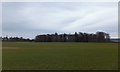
<point>59,56</point>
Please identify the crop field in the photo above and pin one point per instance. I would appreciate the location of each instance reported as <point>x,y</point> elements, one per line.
<point>59,56</point>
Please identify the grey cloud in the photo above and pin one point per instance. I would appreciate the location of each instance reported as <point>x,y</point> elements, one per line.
<point>32,18</point>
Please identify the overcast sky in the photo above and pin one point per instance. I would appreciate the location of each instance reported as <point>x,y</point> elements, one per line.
<point>28,19</point>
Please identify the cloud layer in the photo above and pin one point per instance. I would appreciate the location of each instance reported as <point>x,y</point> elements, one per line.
<point>28,19</point>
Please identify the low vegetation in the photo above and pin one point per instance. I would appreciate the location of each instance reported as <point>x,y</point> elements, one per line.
<point>59,56</point>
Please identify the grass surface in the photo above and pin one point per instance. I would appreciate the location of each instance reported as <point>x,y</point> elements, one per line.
<point>59,56</point>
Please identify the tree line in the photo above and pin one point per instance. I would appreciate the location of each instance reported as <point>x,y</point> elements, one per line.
<point>15,39</point>
<point>76,37</point>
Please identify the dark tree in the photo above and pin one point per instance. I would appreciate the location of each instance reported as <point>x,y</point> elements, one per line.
<point>76,37</point>
<point>64,37</point>
<point>81,37</point>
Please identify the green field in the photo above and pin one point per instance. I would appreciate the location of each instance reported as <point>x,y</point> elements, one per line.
<point>59,56</point>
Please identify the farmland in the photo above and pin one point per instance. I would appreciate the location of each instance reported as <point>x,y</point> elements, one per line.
<point>59,56</point>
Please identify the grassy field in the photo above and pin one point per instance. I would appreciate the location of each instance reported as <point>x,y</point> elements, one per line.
<point>59,56</point>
